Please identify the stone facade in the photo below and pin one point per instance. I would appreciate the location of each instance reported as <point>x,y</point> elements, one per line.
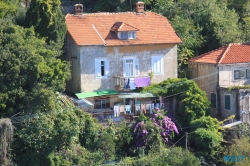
<point>206,77</point>
<point>82,60</point>
<point>217,79</point>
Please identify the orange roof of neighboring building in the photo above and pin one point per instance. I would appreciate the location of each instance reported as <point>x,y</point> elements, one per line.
<point>95,28</point>
<point>229,54</point>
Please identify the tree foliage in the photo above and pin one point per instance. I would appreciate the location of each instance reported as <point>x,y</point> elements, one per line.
<point>54,138</point>
<point>239,149</point>
<point>9,7</point>
<point>30,72</point>
<point>192,102</point>
<point>47,19</point>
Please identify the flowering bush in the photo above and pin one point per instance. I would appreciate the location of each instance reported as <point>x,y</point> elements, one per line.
<point>141,135</point>
<point>165,127</point>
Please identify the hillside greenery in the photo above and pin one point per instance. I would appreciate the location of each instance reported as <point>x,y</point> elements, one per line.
<point>37,128</point>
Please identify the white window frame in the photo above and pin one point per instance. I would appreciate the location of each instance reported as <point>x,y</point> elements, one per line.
<point>225,102</point>
<point>135,68</point>
<point>98,68</point>
<point>244,72</point>
<point>157,70</point>
<point>127,35</point>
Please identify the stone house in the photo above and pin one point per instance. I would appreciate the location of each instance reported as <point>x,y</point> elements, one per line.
<point>224,74</point>
<point>111,52</point>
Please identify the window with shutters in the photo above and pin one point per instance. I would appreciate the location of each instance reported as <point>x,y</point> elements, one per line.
<point>130,67</point>
<point>241,74</point>
<point>227,102</point>
<point>157,65</point>
<point>101,67</point>
<point>213,100</point>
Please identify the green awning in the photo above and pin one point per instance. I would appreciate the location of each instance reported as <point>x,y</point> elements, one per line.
<point>135,95</point>
<point>96,93</point>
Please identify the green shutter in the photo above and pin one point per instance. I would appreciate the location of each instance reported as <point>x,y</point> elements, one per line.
<point>227,102</point>
<point>213,100</point>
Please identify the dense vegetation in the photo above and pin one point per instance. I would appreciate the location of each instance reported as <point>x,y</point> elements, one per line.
<point>39,127</point>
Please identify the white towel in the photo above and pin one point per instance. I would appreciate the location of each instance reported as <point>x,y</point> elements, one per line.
<point>128,108</point>
<point>132,83</point>
<point>116,111</point>
<point>152,107</point>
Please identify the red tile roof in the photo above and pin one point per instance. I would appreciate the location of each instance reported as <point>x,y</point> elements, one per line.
<point>122,27</point>
<point>229,54</point>
<point>95,28</point>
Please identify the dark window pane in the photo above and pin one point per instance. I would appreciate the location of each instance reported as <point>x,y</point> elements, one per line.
<point>213,100</point>
<point>248,73</point>
<point>236,74</point>
<point>102,68</point>
<point>227,102</point>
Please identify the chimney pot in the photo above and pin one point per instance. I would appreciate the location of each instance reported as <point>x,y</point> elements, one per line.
<point>78,8</point>
<point>140,7</point>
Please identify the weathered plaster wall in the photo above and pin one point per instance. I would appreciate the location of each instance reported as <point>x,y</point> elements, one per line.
<point>73,56</point>
<point>206,77</point>
<point>226,77</point>
<point>234,103</point>
<point>115,56</point>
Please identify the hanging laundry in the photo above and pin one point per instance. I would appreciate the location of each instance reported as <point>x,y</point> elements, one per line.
<point>121,108</point>
<point>127,86</point>
<point>152,108</point>
<point>137,108</point>
<point>148,107</point>
<point>142,81</point>
<point>143,108</point>
<point>157,105</point>
<point>125,83</point>
<point>116,111</point>
<point>132,83</point>
<point>128,109</point>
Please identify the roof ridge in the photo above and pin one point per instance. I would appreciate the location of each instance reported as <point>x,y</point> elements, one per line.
<point>225,52</point>
<point>207,53</point>
<point>157,14</point>
<point>124,23</point>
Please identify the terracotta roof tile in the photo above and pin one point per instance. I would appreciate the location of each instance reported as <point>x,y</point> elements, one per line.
<point>152,28</point>
<point>122,27</point>
<point>229,54</point>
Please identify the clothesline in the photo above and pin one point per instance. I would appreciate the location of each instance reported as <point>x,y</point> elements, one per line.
<point>127,109</point>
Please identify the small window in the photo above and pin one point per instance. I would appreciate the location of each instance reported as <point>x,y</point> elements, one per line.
<point>131,35</point>
<point>102,103</point>
<point>126,35</point>
<point>227,102</point>
<point>248,73</point>
<point>213,100</point>
<point>101,68</point>
<point>240,74</point>
<point>131,67</point>
<point>157,65</point>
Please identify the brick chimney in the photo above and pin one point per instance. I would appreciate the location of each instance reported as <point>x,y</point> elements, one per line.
<point>78,8</point>
<point>140,7</point>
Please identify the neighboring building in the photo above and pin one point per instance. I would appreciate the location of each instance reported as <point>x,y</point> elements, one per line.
<point>108,50</point>
<point>224,74</point>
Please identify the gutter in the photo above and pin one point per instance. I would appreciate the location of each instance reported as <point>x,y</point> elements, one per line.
<point>98,34</point>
